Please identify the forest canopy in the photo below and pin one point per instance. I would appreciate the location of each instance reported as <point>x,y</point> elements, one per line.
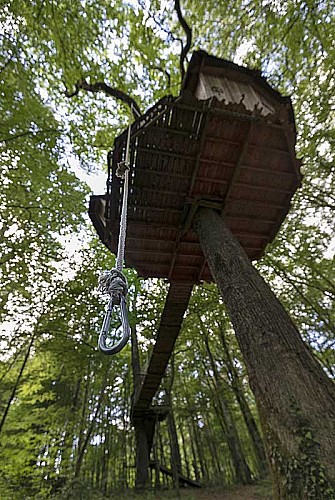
<point>68,71</point>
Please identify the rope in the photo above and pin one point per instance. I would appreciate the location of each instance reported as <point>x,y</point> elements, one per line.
<point>123,172</point>
<point>113,282</point>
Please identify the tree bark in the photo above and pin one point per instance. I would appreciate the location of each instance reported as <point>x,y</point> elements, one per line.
<point>89,430</point>
<point>295,398</point>
<point>194,454</point>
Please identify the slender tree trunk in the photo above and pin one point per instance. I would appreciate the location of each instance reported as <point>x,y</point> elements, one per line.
<point>242,471</point>
<point>16,385</point>
<point>212,444</point>
<point>245,410</point>
<point>195,461</point>
<point>187,466</point>
<point>200,450</point>
<point>175,452</point>
<point>295,398</point>
<point>135,358</point>
<point>162,454</point>
<point>140,425</point>
<point>90,429</point>
<point>157,464</point>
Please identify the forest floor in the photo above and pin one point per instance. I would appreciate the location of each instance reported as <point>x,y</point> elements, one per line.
<point>259,491</point>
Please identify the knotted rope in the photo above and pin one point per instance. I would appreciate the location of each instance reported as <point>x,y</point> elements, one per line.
<point>113,282</point>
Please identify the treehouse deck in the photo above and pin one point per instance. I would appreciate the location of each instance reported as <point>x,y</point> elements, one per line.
<point>226,142</point>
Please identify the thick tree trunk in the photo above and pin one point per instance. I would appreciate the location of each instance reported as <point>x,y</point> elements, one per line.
<point>295,398</point>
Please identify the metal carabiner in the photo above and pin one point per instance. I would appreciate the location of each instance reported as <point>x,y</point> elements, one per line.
<point>114,349</point>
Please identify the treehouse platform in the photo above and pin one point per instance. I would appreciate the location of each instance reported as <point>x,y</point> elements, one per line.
<point>226,142</point>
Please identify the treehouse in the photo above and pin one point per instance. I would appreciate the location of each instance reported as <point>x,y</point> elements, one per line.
<point>226,142</point>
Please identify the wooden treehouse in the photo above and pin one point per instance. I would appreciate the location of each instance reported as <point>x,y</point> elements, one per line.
<point>226,142</point>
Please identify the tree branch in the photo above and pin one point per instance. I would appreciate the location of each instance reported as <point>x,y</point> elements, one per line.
<point>109,91</point>
<point>29,132</point>
<point>188,32</point>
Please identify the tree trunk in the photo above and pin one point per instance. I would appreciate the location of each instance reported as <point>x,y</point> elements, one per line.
<point>85,441</point>
<point>175,451</point>
<point>194,454</point>
<point>200,451</point>
<point>242,471</point>
<point>16,385</point>
<point>295,398</point>
<point>157,463</point>
<point>187,466</point>
<point>245,410</point>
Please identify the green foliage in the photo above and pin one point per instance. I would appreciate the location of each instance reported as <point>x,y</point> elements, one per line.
<point>68,429</point>
<point>303,476</point>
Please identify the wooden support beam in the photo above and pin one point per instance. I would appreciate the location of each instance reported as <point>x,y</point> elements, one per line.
<point>171,320</point>
<point>163,152</point>
<point>237,169</point>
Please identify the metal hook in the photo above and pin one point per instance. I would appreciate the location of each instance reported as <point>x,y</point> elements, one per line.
<point>114,349</point>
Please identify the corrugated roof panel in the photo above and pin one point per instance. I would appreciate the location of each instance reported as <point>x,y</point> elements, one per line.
<point>232,91</point>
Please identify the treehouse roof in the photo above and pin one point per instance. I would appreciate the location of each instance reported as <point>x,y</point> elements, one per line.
<point>226,142</point>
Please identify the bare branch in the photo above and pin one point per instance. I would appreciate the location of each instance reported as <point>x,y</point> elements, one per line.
<point>74,93</point>
<point>159,23</point>
<point>188,32</point>
<point>26,133</point>
<point>110,91</point>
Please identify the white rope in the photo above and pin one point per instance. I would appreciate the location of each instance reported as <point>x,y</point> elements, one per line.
<point>123,172</point>
<point>114,282</point>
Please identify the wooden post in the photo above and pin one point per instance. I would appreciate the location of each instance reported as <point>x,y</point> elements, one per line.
<point>144,432</point>
<point>295,398</point>
<point>142,454</point>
